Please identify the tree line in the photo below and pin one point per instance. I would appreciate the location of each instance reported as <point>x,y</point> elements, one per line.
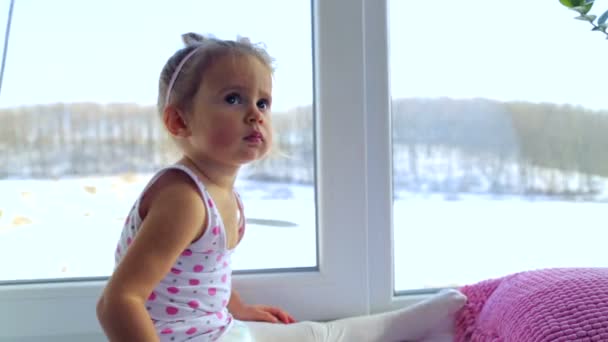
<point>59,140</point>
<point>438,145</point>
<point>482,145</point>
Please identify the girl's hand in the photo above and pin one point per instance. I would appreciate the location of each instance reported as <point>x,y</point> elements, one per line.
<point>263,313</point>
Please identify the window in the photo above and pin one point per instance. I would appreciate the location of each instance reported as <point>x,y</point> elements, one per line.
<point>459,171</point>
<point>498,138</point>
<point>80,136</point>
<point>65,309</point>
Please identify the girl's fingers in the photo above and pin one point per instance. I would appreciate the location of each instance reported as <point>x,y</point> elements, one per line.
<point>268,317</point>
<point>274,315</point>
<point>282,316</point>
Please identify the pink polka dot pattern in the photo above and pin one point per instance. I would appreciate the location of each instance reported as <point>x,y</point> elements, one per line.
<point>560,304</point>
<point>197,283</point>
<point>172,310</point>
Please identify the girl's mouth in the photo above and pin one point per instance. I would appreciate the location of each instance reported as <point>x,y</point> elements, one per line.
<point>255,137</point>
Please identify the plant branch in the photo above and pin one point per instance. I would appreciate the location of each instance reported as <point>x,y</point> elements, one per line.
<point>597,28</point>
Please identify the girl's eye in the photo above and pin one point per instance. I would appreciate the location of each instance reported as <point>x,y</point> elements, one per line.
<point>233,98</point>
<point>263,104</point>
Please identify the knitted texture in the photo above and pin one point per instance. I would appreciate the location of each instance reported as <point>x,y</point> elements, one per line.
<point>561,304</point>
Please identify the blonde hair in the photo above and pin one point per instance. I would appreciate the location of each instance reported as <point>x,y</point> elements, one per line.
<point>183,73</point>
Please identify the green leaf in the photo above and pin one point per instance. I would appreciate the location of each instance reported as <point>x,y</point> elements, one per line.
<point>603,18</point>
<point>571,3</point>
<point>589,18</point>
<point>583,9</point>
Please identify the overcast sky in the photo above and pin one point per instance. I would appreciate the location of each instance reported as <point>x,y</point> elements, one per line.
<point>112,50</point>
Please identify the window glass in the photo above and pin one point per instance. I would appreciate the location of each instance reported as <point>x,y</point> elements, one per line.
<point>499,135</point>
<point>80,136</point>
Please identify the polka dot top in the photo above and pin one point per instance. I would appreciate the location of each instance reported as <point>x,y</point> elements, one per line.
<point>189,304</point>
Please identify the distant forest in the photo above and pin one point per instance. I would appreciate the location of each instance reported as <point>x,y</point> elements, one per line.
<point>439,145</point>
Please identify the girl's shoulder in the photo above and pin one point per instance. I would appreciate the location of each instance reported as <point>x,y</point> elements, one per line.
<point>170,179</point>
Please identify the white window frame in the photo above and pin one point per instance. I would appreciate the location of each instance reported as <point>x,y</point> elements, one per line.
<point>379,185</point>
<point>354,196</point>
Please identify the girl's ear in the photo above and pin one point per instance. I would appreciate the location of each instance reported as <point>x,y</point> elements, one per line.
<point>173,119</point>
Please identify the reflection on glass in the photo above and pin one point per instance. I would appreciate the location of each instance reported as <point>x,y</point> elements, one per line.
<point>75,152</point>
<point>497,167</point>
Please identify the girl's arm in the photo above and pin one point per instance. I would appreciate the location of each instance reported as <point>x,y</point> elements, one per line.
<point>174,219</point>
<point>235,303</point>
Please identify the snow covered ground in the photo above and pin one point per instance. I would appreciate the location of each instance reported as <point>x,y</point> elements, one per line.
<point>68,228</point>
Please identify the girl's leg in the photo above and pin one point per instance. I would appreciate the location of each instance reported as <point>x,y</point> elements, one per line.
<point>295,332</point>
<point>409,324</point>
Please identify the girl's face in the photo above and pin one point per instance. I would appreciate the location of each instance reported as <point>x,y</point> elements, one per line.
<point>230,121</point>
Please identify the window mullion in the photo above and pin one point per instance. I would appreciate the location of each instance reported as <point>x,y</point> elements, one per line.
<point>379,156</point>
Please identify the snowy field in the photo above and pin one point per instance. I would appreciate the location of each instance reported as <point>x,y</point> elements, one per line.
<point>68,228</point>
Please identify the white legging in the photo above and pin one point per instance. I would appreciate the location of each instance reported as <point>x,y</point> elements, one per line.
<point>415,323</point>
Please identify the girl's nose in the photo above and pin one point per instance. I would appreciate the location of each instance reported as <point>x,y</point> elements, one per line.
<point>255,116</point>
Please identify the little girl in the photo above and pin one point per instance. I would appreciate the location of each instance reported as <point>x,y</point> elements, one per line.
<point>172,280</point>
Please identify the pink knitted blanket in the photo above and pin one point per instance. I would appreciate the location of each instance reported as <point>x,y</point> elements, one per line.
<point>543,305</point>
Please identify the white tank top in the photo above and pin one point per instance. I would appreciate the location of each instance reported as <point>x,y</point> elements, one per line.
<point>189,304</point>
